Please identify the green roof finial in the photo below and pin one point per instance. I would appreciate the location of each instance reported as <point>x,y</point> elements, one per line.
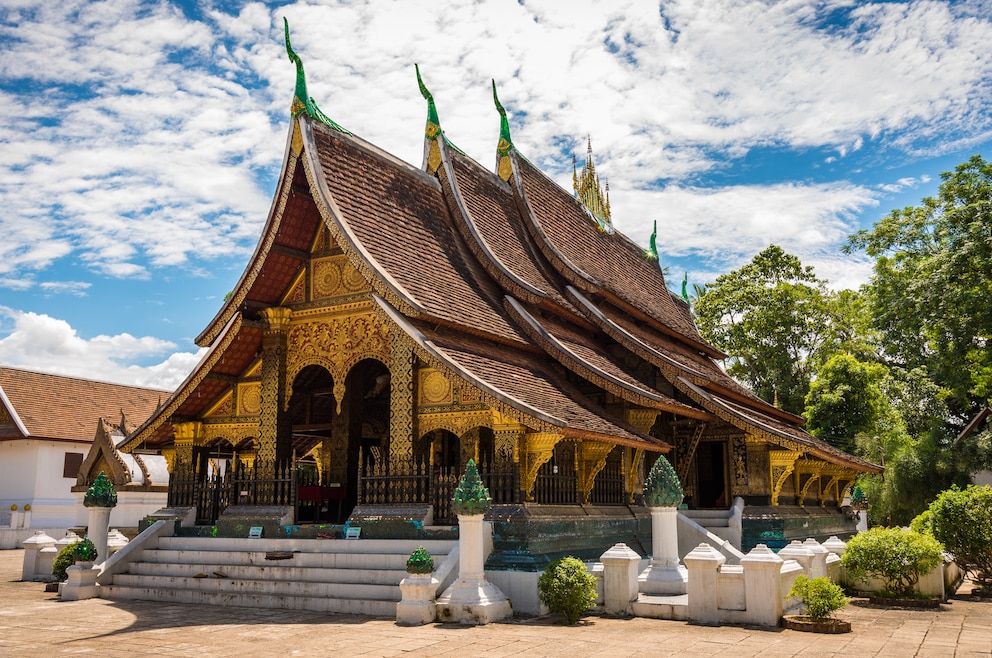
<point>685,285</point>
<point>302,102</point>
<point>652,252</point>
<point>433,123</point>
<point>471,497</point>
<point>662,487</point>
<point>101,493</point>
<point>505,143</point>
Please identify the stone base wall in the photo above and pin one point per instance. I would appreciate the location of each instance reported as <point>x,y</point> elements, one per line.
<point>777,526</point>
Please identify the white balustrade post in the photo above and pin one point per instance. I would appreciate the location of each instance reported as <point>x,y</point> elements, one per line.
<point>703,564</point>
<point>763,586</point>
<point>32,547</point>
<point>819,565</point>
<point>620,586</point>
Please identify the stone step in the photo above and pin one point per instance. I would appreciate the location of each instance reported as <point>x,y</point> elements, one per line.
<point>271,588</point>
<point>372,608</point>
<point>383,546</point>
<point>306,560</point>
<point>269,572</point>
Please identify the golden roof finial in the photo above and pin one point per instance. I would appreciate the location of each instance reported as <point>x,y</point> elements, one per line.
<point>590,192</point>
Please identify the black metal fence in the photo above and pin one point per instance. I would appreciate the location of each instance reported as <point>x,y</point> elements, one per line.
<point>212,492</point>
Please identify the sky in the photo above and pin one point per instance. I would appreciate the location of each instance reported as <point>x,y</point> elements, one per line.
<point>140,141</point>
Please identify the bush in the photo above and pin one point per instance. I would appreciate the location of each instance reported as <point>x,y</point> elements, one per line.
<point>65,559</point>
<point>821,597</point>
<point>961,519</point>
<point>566,586</point>
<point>895,556</point>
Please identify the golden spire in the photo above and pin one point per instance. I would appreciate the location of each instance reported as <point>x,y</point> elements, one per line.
<point>589,191</point>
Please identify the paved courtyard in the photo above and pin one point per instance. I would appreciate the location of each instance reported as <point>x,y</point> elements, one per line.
<point>36,623</point>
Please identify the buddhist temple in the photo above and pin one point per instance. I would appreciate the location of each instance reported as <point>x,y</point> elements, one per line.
<point>395,321</point>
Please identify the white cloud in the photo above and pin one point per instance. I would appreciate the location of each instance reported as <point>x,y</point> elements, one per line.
<point>77,288</point>
<point>41,342</point>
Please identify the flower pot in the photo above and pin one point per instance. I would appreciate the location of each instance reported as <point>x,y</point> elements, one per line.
<point>808,625</point>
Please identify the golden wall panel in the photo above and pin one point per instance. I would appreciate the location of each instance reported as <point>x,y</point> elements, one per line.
<point>249,399</point>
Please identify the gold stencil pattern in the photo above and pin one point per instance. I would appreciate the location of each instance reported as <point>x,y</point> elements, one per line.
<point>434,388</point>
<point>249,399</point>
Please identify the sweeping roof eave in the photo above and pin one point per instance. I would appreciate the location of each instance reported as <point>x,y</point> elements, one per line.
<point>163,414</point>
<point>793,438</point>
<point>432,351</point>
<point>237,296</point>
<point>595,261</point>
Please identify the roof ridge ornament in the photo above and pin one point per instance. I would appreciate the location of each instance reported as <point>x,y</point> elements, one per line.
<point>504,169</point>
<point>685,286</point>
<point>302,101</point>
<point>652,251</point>
<point>433,128</point>
<point>590,193</point>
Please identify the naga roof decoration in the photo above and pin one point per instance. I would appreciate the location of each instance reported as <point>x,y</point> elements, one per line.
<point>302,102</point>
<point>652,251</point>
<point>498,281</point>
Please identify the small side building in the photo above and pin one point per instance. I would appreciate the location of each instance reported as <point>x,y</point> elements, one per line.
<point>46,430</point>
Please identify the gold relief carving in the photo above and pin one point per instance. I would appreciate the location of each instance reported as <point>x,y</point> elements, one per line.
<point>296,141</point>
<point>326,278</point>
<point>402,431</point>
<point>276,318</point>
<point>539,447</point>
<point>337,344</point>
<point>434,388</point>
<point>456,422</point>
<point>298,290</point>
<point>781,464</point>
<point>834,473</point>
<point>232,432</point>
<point>247,458</point>
<point>469,395</point>
<point>641,420</point>
<point>170,458</point>
<point>685,459</point>
<point>632,472</point>
<point>190,433</point>
<point>738,446</point>
<point>352,278</point>
<point>223,407</point>
<point>249,399</point>
<point>590,459</point>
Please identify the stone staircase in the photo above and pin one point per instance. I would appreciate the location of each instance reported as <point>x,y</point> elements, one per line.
<point>325,575</point>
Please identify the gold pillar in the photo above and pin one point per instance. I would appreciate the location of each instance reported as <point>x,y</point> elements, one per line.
<point>402,399</point>
<point>273,431</point>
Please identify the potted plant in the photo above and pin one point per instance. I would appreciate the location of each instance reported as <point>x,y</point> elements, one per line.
<point>822,599</point>
<point>897,558</point>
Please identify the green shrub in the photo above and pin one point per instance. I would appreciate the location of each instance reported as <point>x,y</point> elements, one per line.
<point>895,556</point>
<point>821,597</point>
<point>923,523</point>
<point>65,559</point>
<point>566,586</point>
<point>961,519</point>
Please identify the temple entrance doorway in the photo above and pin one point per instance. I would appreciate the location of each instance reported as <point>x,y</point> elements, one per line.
<point>711,478</point>
<point>366,418</point>
<point>313,415</point>
<point>445,449</point>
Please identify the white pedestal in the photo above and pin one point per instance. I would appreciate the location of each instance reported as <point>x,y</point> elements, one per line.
<point>664,575</point>
<point>99,524</point>
<point>81,583</point>
<point>472,599</point>
<point>417,606</point>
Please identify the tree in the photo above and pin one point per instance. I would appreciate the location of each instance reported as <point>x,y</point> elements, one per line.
<point>775,318</point>
<point>846,400</point>
<point>932,282</point>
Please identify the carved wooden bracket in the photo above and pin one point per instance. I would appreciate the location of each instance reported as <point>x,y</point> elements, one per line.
<point>538,449</point>
<point>807,472</point>
<point>632,472</point>
<point>780,463</point>
<point>690,451</point>
<point>590,459</point>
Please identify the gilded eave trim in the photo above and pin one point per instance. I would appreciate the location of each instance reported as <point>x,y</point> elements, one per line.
<point>209,360</point>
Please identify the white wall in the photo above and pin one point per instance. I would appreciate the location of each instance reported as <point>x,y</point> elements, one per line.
<point>132,507</point>
<point>31,472</point>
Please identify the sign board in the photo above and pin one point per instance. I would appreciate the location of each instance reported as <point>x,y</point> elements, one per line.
<point>352,533</point>
<point>255,532</point>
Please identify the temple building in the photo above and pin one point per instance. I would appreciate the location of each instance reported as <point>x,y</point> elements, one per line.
<point>395,321</point>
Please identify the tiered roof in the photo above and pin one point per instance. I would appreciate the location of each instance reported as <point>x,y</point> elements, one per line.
<point>503,281</point>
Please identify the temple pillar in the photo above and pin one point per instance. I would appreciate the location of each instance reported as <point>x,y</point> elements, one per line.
<point>273,431</point>
<point>187,436</point>
<point>469,445</point>
<point>402,403</point>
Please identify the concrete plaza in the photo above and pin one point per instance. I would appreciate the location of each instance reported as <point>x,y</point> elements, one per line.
<point>36,623</point>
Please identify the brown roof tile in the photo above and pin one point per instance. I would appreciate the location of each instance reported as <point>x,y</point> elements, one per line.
<point>401,219</point>
<point>68,408</point>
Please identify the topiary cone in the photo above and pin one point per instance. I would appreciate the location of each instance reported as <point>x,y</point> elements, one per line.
<point>662,487</point>
<point>471,496</point>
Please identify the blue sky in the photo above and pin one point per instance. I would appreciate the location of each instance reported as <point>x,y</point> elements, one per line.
<point>140,141</point>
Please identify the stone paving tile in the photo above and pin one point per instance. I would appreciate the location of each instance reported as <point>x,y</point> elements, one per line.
<point>35,623</point>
